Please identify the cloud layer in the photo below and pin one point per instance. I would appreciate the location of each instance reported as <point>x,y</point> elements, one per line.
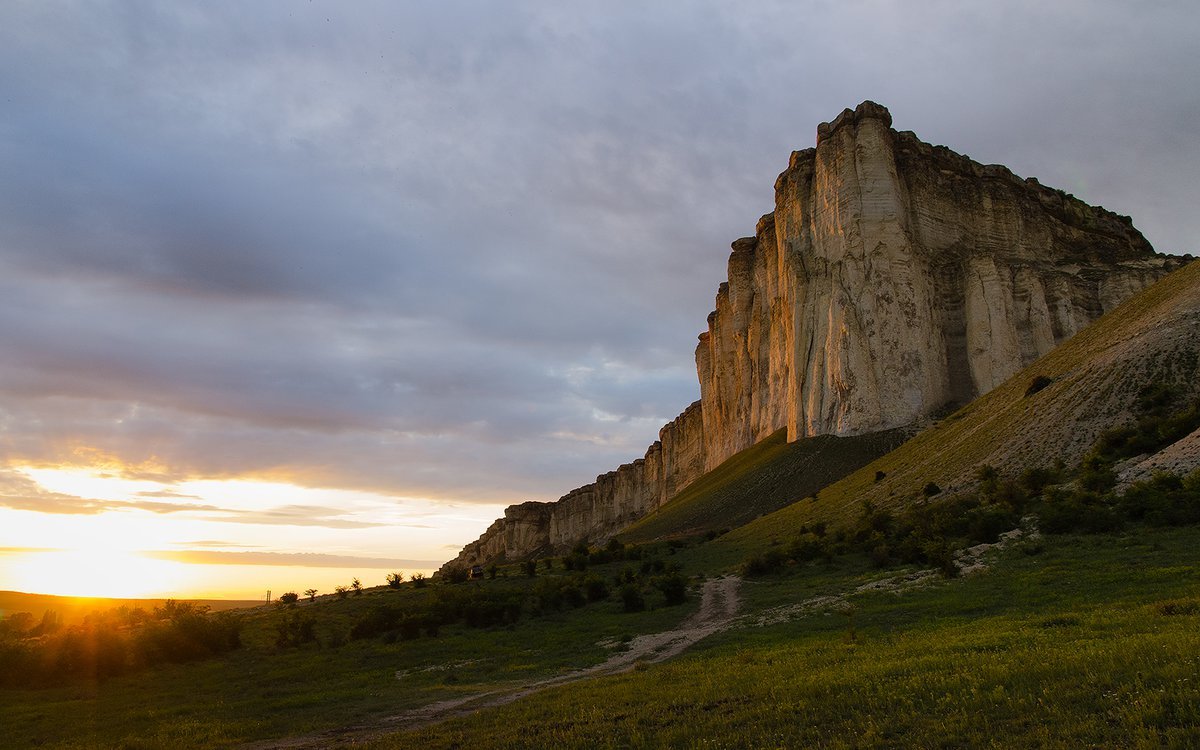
<point>461,250</point>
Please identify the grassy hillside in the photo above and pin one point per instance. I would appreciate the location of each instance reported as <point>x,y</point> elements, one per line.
<point>1063,643</point>
<point>761,480</point>
<point>1058,641</point>
<point>1096,376</point>
<point>264,689</point>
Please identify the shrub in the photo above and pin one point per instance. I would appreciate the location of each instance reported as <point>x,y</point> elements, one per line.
<point>378,619</point>
<point>530,567</point>
<point>357,586</point>
<point>395,579</point>
<point>311,594</point>
<point>631,598</point>
<point>418,580</point>
<point>594,588</point>
<point>295,629</point>
<point>185,632</point>
<point>1036,479</point>
<point>932,489</point>
<point>457,574</point>
<point>809,547</point>
<point>673,588</point>
<point>763,563</point>
<point>1038,383</point>
<point>290,597</point>
<point>341,591</point>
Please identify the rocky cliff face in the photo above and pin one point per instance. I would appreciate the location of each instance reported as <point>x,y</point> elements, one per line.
<point>892,280</point>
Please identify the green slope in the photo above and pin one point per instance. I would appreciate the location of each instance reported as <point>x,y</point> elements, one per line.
<point>759,480</point>
<point>1097,374</point>
<point>1078,642</point>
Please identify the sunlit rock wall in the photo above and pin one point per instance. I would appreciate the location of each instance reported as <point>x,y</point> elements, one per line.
<point>892,280</point>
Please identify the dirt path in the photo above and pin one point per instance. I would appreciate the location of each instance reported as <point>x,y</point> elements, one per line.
<point>718,611</point>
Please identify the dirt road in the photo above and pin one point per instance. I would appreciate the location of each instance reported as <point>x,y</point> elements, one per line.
<point>718,609</point>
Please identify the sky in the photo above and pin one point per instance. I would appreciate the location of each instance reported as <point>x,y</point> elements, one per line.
<point>291,292</point>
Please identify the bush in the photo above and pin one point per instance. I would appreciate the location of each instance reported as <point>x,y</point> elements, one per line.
<point>631,598</point>
<point>808,547</point>
<point>457,574</point>
<point>378,619</point>
<point>290,597</point>
<point>932,489</point>
<point>341,591</point>
<point>1035,479</point>
<point>185,632</point>
<point>530,567</point>
<point>418,580</point>
<point>594,588</point>
<point>395,579</point>
<point>1164,500</point>
<point>1039,382</point>
<point>673,588</point>
<point>763,563</point>
<point>295,629</point>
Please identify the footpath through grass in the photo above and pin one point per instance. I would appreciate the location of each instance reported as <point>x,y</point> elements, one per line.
<point>1071,641</point>
<point>263,691</point>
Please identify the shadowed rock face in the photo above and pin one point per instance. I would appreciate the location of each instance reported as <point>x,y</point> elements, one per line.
<point>893,279</point>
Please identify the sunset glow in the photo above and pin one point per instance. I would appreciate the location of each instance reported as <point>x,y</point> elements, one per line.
<point>114,535</point>
<point>95,573</point>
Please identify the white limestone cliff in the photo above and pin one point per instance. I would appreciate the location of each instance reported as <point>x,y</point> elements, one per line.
<point>892,280</point>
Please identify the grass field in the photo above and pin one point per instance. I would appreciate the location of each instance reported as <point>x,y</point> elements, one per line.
<point>1064,641</point>
<point>1069,642</point>
<point>262,691</point>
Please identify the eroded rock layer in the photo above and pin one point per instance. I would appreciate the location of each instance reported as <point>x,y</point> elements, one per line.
<point>892,280</point>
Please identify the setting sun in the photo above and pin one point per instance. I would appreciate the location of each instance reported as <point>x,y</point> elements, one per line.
<point>95,573</point>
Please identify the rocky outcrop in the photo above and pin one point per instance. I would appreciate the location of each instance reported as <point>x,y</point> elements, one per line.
<point>893,280</point>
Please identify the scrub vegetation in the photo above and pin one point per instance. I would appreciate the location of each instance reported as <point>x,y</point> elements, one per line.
<point>932,597</point>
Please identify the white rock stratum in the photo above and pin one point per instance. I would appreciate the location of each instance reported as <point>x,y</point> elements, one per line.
<point>893,280</point>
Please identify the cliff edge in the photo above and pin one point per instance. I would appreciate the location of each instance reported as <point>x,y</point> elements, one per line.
<point>894,279</point>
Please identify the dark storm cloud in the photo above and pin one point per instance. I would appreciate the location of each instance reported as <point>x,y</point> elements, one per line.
<point>462,249</point>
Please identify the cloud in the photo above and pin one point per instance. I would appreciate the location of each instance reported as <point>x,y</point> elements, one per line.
<point>19,492</point>
<point>306,559</point>
<point>376,247</point>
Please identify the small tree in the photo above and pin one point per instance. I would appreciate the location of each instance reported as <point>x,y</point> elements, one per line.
<point>311,594</point>
<point>357,586</point>
<point>394,579</point>
<point>341,591</point>
<point>290,597</point>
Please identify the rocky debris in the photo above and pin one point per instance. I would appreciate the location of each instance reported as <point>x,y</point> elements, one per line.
<point>893,279</point>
